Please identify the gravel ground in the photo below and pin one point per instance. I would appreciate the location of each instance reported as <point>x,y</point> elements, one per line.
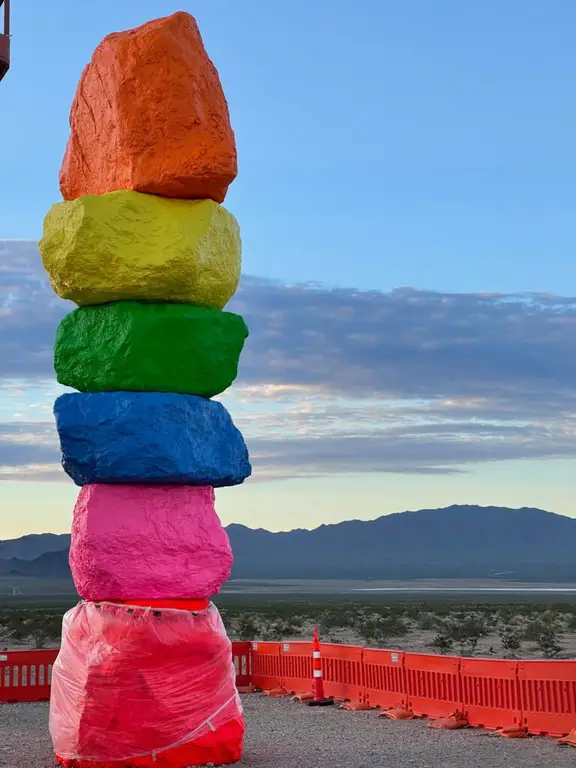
<point>283,734</point>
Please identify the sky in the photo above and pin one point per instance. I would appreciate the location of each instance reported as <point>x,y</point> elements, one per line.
<point>406,197</point>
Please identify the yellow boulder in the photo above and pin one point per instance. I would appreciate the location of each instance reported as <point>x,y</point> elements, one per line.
<point>128,245</point>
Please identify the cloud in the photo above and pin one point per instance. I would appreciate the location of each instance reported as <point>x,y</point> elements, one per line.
<point>402,344</point>
<point>29,312</point>
<point>409,343</point>
<point>337,380</point>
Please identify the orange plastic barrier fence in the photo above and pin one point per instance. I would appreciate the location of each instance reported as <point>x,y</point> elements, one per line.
<point>493,693</point>
<point>342,667</point>
<point>266,665</point>
<point>490,693</point>
<point>25,675</point>
<point>241,655</point>
<point>343,670</point>
<point>432,684</point>
<point>295,667</point>
<point>548,696</point>
<point>538,695</point>
<point>384,679</point>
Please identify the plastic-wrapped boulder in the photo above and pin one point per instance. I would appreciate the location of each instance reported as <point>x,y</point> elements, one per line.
<point>141,686</point>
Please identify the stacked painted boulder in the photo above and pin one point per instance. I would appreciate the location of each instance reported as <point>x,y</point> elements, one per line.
<point>142,245</point>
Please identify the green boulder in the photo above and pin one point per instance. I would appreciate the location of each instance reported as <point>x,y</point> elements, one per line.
<point>132,346</point>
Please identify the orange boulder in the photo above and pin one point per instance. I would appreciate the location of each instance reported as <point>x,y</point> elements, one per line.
<point>150,115</point>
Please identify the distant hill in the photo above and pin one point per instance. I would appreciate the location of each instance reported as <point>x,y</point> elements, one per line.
<point>455,542</point>
<point>33,545</point>
<point>50,565</point>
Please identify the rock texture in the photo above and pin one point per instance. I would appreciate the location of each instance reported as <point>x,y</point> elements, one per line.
<point>149,438</point>
<point>134,541</point>
<point>149,347</point>
<point>150,115</point>
<point>125,245</point>
<point>138,688</point>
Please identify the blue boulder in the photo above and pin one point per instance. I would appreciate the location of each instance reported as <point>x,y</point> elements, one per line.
<point>149,437</point>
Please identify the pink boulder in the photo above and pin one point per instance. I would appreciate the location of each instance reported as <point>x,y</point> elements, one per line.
<point>152,542</point>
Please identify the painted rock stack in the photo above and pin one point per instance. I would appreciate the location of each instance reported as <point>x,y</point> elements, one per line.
<point>142,245</point>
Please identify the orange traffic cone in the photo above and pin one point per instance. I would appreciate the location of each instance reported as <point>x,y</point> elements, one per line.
<point>319,700</point>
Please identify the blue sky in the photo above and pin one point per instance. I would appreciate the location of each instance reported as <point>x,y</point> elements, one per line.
<point>401,165</point>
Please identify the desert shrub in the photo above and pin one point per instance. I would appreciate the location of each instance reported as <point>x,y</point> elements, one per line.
<point>428,621</point>
<point>282,628</point>
<point>16,628</point>
<point>533,629</point>
<point>248,627</point>
<point>571,622</point>
<point>465,631</point>
<point>548,642</point>
<point>510,639</point>
<point>442,643</point>
<point>373,631</point>
<point>226,620</point>
<point>41,631</point>
<point>336,618</point>
<point>491,622</point>
<point>38,637</point>
<point>376,630</point>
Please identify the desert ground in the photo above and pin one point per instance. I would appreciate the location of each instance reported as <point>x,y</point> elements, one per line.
<point>488,619</point>
<point>283,734</point>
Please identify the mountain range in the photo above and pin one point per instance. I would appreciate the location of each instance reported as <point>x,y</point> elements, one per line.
<point>454,542</point>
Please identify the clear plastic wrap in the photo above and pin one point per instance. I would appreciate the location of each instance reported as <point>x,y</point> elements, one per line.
<point>144,686</point>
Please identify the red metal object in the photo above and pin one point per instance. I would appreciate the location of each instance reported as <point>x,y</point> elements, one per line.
<point>25,675</point>
<point>5,39</point>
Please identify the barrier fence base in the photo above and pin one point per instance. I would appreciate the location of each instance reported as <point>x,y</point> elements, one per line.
<point>398,713</point>
<point>569,740</point>
<point>320,703</point>
<point>355,706</point>
<point>303,697</point>
<point>515,732</point>
<point>454,722</point>
<point>275,693</point>
<point>246,689</point>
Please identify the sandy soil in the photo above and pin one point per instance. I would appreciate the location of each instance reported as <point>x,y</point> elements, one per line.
<point>282,734</point>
